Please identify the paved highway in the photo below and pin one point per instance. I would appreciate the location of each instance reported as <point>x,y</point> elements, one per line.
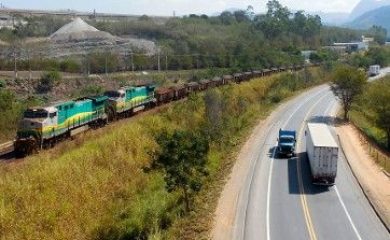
<point>278,201</point>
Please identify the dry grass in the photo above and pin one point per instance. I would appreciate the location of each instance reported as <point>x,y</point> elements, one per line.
<point>95,187</point>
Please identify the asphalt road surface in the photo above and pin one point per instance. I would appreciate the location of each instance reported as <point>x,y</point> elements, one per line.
<point>278,200</point>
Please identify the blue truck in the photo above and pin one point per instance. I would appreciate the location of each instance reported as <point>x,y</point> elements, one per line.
<point>286,142</point>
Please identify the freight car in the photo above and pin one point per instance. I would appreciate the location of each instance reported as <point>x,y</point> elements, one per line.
<point>217,81</point>
<point>238,78</point>
<point>164,95</point>
<point>204,84</point>
<point>192,87</point>
<point>247,76</point>
<point>267,72</point>
<point>43,126</point>
<point>179,92</point>
<point>227,79</point>
<point>257,73</point>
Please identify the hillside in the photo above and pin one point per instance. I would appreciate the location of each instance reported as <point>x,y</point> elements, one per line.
<point>380,16</point>
<point>365,6</point>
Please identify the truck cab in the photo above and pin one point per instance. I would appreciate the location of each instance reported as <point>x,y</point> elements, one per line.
<point>286,142</point>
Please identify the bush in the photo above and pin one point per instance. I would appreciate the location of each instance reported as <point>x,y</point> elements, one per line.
<point>2,84</point>
<point>95,187</point>
<point>70,65</point>
<point>47,81</point>
<point>91,90</point>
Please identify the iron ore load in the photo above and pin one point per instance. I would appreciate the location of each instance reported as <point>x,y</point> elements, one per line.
<point>322,151</point>
<point>43,127</point>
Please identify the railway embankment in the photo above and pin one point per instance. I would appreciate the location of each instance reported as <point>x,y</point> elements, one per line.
<point>97,185</point>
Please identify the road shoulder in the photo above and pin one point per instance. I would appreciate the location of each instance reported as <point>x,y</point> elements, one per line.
<point>375,184</point>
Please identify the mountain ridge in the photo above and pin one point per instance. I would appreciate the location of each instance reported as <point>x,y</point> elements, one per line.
<point>379,17</point>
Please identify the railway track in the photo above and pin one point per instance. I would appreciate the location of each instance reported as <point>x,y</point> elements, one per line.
<point>7,151</point>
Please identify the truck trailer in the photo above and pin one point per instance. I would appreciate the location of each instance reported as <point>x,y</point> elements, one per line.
<point>322,151</point>
<point>374,70</point>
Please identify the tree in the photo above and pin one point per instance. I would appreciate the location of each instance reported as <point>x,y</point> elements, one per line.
<point>227,18</point>
<point>379,55</point>
<point>348,83</point>
<point>379,101</point>
<point>378,33</point>
<point>182,156</point>
<point>241,16</point>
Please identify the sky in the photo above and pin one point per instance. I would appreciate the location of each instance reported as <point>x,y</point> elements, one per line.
<point>181,7</point>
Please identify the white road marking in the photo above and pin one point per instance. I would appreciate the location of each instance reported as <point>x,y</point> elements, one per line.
<point>272,164</point>
<point>341,199</point>
<point>347,213</point>
<point>269,194</point>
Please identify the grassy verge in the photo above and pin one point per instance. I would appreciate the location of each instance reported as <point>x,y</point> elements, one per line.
<point>370,114</point>
<point>98,189</point>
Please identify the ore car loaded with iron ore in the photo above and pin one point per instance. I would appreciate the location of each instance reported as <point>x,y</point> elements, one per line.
<point>42,127</point>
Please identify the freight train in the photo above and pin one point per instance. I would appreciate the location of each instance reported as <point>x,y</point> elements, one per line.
<point>42,127</point>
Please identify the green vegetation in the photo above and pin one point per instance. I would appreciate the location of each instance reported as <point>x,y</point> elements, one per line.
<point>377,17</point>
<point>183,157</point>
<point>348,83</point>
<point>90,90</point>
<point>239,40</point>
<point>371,112</point>
<point>98,186</point>
<point>36,64</point>
<point>324,56</point>
<point>47,81</point>
<point>375,55</point>
<point>11,111</point>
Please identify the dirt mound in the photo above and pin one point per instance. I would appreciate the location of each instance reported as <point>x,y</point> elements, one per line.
<point>78,30</point>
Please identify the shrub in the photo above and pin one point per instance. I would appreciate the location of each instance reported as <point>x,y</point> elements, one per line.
<point>47,81</point>
<point>2,84</point>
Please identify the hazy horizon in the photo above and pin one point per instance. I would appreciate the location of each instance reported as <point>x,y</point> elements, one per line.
<point>180,7</point>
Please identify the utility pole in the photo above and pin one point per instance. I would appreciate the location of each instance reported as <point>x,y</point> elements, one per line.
<point>15,63</point>
<point>132,61</point>
<point>166,63</point>
<point>126,60</point>
<point>106,67</point>
<point>158,61</point>
<point>29,64</point>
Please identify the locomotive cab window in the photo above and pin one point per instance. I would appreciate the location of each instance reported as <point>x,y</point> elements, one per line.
<point>40,113</point>
<point>53,115</point>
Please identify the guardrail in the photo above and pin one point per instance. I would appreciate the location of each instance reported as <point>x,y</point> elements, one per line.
<point>6,147</point>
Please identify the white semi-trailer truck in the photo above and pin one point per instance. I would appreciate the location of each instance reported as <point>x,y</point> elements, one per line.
<point>322,151</point>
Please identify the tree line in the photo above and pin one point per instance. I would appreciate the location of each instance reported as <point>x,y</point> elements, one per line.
<point>239,39</point>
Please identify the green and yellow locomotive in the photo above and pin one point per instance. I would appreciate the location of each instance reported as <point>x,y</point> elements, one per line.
<point>43,126</point>
<point>129,100</point>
